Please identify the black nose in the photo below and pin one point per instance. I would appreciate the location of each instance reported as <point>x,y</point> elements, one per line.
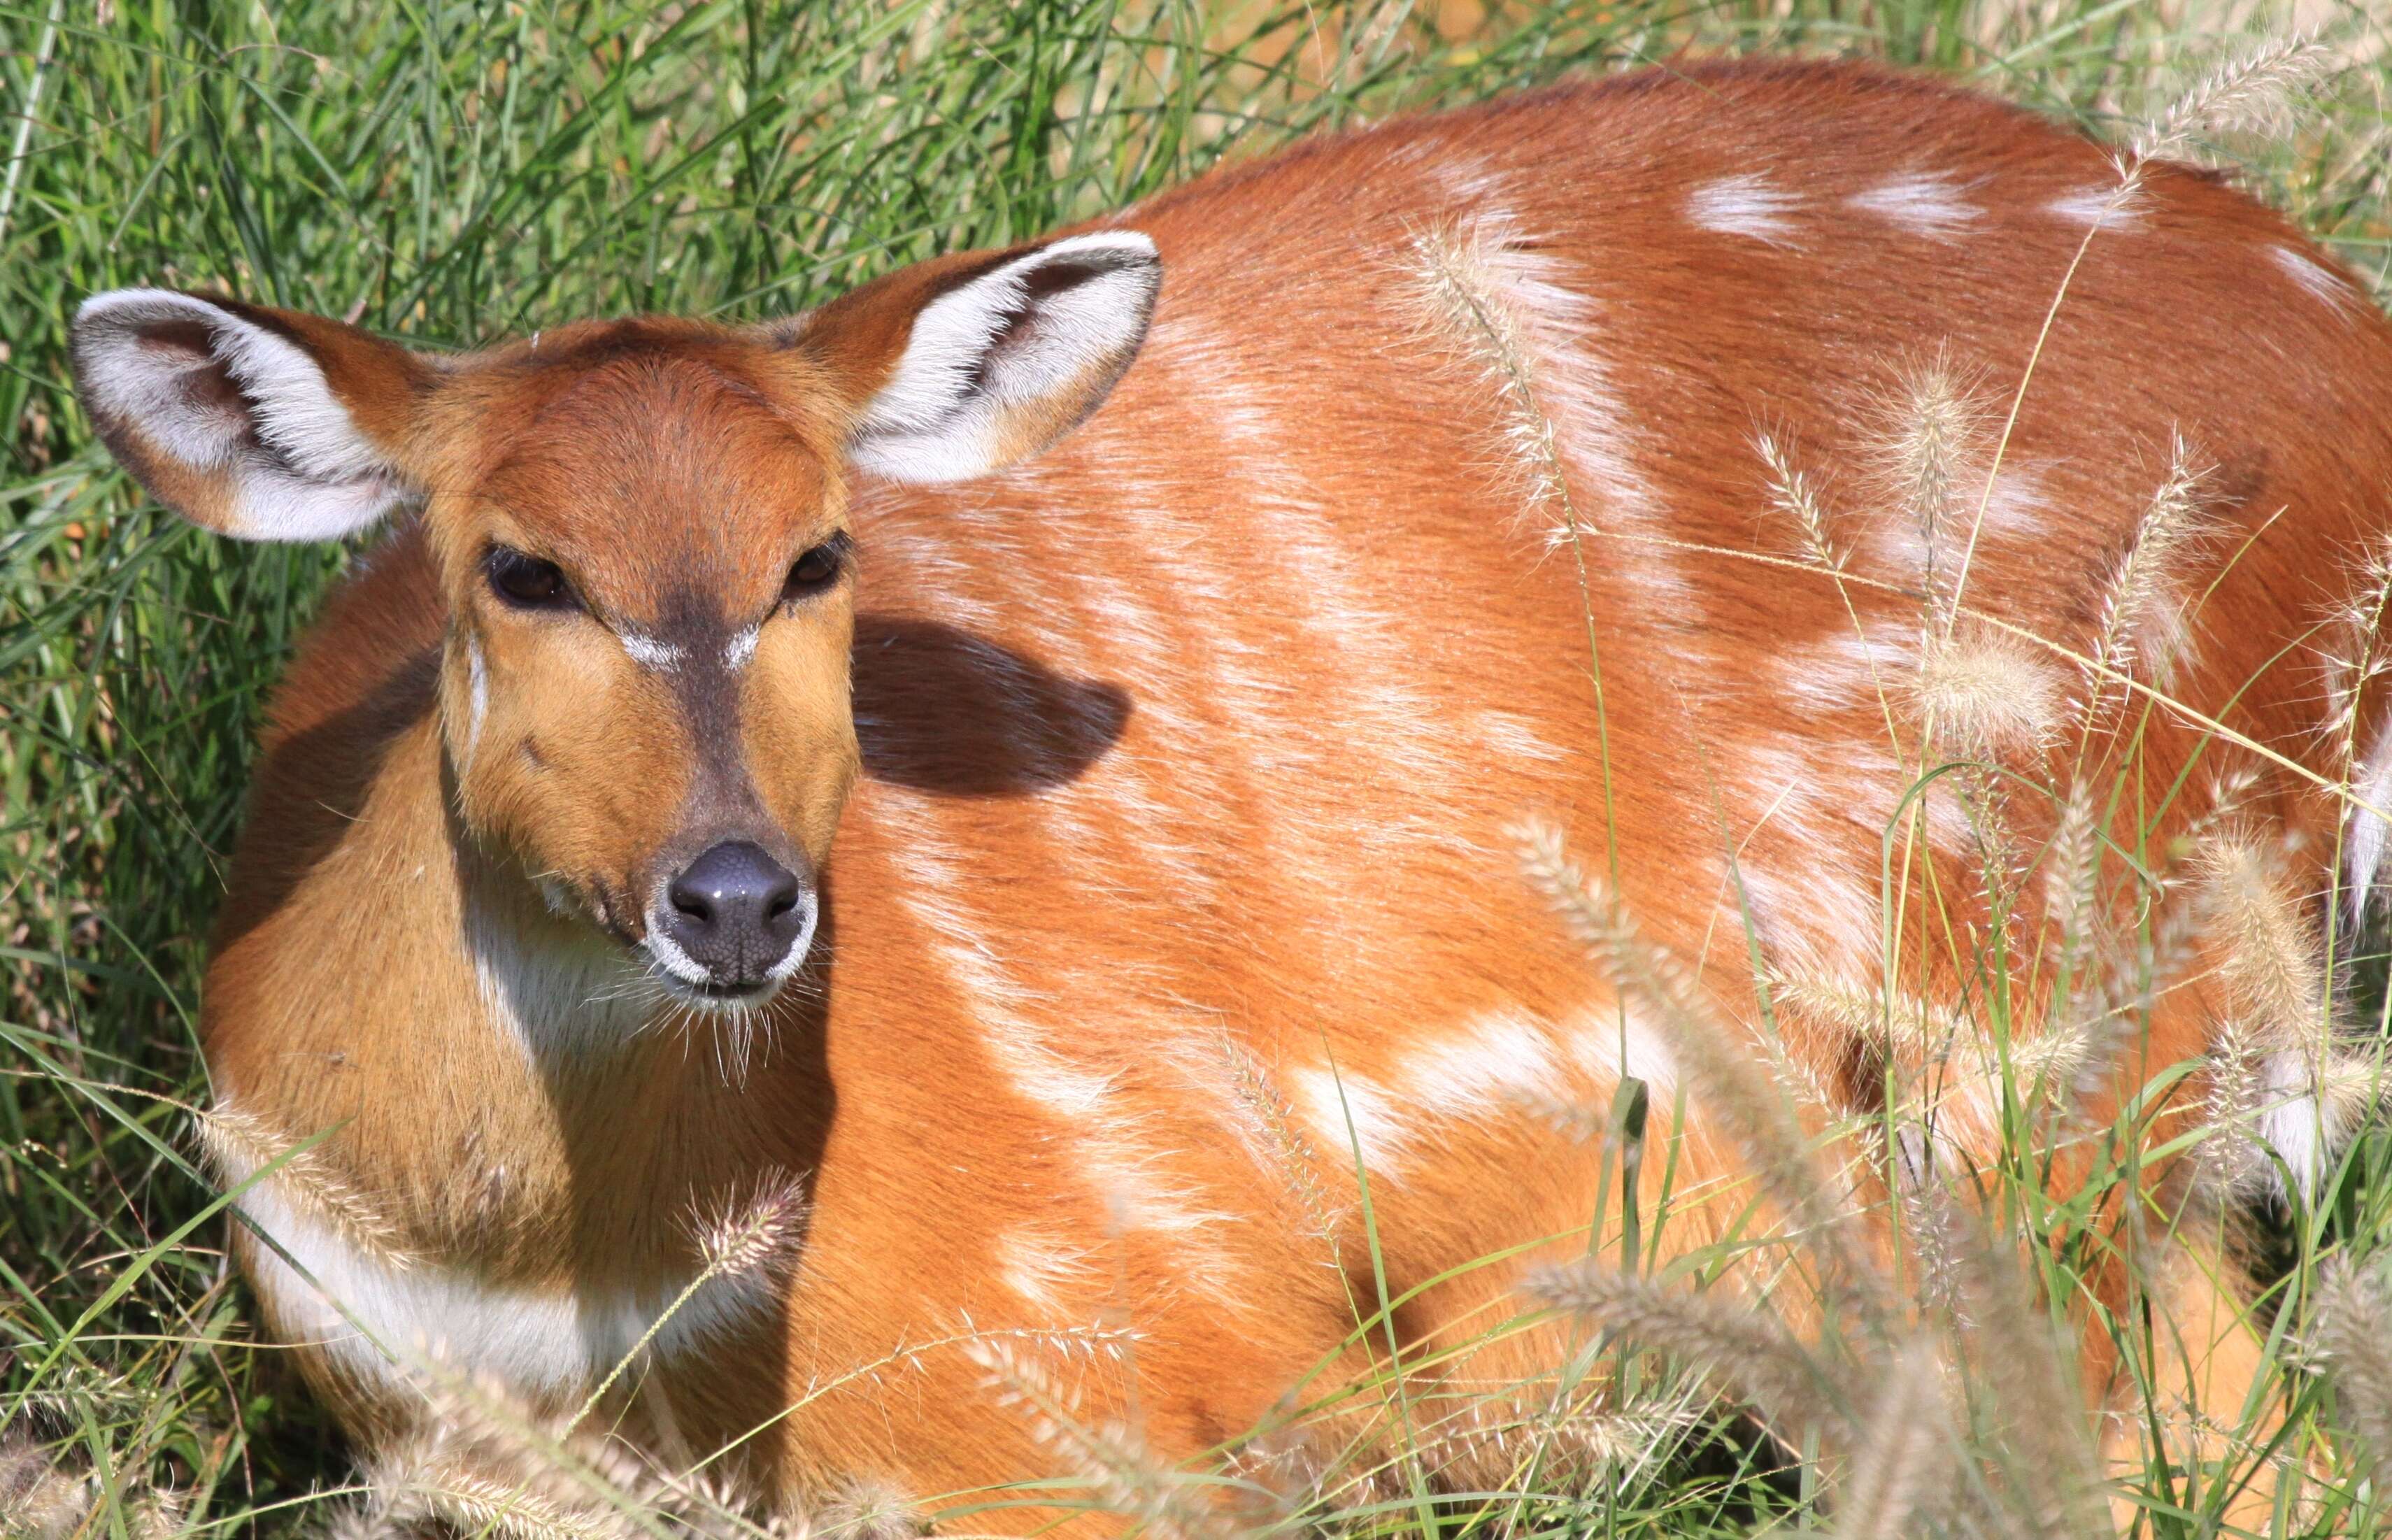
<point>736,911</point>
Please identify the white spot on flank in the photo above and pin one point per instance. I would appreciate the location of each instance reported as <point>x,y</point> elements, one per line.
<point>740,648</point>
<point>1849,669</point>
<point>2293,1121</point>
<point>1369,684</point>
<point>1611,1043</point>
<point>1744,205</point>
<point>1349,1113</point>
<point>1115,1158</point>
<point>2371,788</point>
<point>1815,909</point>
<point>1499,1055</point>
<point>1923,205</point>
<point>2116,207</point>
<point>538,1342</point>
<point>1486,1067</point>
<point>2017,504</point>
<point>1043,1270</point>
<point>1511,735</point>
<point>1472,184</point>
<point>2013,511</point>
<point>2316,277</point>
<point>648,653</point>
<point>1809,861</point>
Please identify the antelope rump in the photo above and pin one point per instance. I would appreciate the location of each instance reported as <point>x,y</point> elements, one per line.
<point>1002,792</point>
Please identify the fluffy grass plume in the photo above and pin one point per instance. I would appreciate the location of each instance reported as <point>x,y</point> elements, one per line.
<point>1798,1392</point>
<point>302,1175</point>
<point>1896,1486</point>
<point>1795,494</point>
<point>2252,91</point>
<point>1109,1455</point>
<point>2352,1338</point>
<point>1462,293</point>
<point>1988,693</point>
<point>2141,616</point>
<point>2270,953</point>
<point>755,1236</point>
<point>478,1462</point>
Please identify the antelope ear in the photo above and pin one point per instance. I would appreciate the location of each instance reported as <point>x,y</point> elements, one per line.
<point>262,424</point>
<point>970,364</point>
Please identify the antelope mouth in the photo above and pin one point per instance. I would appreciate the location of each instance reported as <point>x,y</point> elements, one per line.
<point>727,997</point>
<point>688,984</point>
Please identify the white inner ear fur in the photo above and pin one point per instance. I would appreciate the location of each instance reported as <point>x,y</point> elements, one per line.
<point>990,362</point>
<point>294,462</point>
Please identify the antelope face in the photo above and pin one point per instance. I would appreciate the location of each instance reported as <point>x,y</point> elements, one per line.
<point>642,529</point>
<point>644,692</point>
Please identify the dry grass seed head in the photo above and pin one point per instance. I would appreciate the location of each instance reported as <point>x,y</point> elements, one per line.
<point>1987,693</point>
<point>1459,293</point>
<point>487,1506</point>
<point>2230,1155</point>
<point>1895,1481</point>
<point>2249,93</point>
<point>1927,440</point>
<point>1567,1439</point>
<point>1796,1391</point>
<point>1793,492</point>
<point>1110,1456</point>
<point>2351,1088</point>
<point>2071,883</point>
<point>2040,1432</point>
<point>1578,1121</point>
<point>2352,656</point>
<point>2270,954</point>
<point>2351,1335</point>
<point>756,1236</point>
<point>1290,1150</point>
<point>158,1515</point>
<point>39,1499</point>
<point>866,1509</point>
<point>238,1143</point>
<point>1911,1030</point>
<point>2133,962</point>
<point>2141,624</point>
<point>481,1461</point>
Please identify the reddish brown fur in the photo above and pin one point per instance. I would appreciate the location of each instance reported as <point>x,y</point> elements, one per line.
<point>1175,734</point>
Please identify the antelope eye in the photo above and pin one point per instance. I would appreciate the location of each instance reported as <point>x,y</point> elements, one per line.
<point>817,570</point>
<point>526,582</point>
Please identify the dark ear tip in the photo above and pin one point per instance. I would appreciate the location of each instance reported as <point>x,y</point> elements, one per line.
<point>1122,259</point>
<point>147,309</point>
<point>1102,252</point>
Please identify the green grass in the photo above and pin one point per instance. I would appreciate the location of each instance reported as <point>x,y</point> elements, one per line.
<point>450,173</point>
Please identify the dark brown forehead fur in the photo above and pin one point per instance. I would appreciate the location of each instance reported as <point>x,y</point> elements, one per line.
<point>654,460</point>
